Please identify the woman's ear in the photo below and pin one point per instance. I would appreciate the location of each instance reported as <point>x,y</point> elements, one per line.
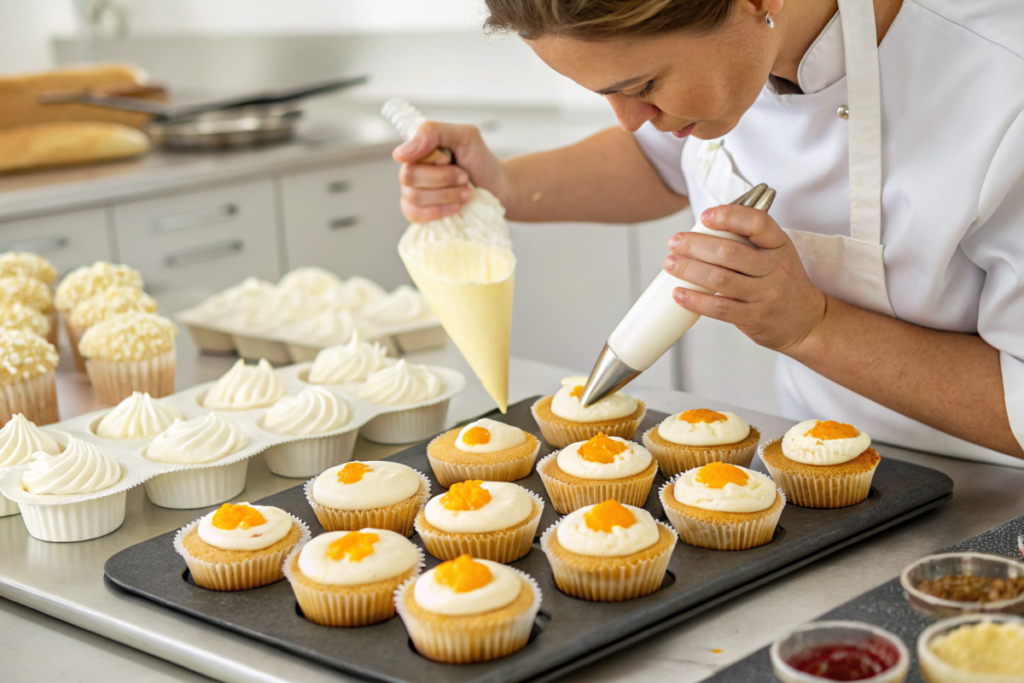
<point>759,8</point>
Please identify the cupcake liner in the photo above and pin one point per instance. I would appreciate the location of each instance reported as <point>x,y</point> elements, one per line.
<point>34,398</point>
<point>301,354</point>
<point>504,545</point>
<point>254,572</point>
<point>74,337</point>
<point>566,497</point>
<point>407,426</point>
<point>560,436</point>
<point>677,458</point>
<point>75,521</point>
<point>254,348</point>
<point>612,583</point>
<point>197,488</point>
<point>309,457</point>
<point>54,319</point>
<point>8,507</point>
<point>399,517</point>
<point>458,641</point>
<point>115,381</point>
<point>729,536</point>
<point>821,492</point>
<point>449,473</point>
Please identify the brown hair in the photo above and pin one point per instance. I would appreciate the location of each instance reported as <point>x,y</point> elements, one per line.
<point>600,19</point>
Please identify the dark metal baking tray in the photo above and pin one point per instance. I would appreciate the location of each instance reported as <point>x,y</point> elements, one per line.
<point>568,632</point>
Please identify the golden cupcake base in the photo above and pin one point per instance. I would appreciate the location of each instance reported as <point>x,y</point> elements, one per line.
<point>451,466</point>
<point>674,458</point>
<point>504,545</point>
<point>833,486</point>
<point>721,530</point>
<point>568,493</point>
<point>398,517</point>
<point>559,432</point>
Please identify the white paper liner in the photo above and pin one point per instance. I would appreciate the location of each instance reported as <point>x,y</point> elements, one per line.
<point>449,473</point>
<point>79,521</point>
<point>192,489</point>
<point>672,461</point>
<point>566,497</point>
<point>397,517</point>
<point>732,536</point>
<point>820,492</point>
<point>407,426</point>
<point>8,507</point>
<point>504,545</point>
<point>54,319</point>
<point>230,576</point>
<point>114,381</point>
<point>450,642</point>
<point>561,435</point>
<point>35,398</point>
<point>309,457</point>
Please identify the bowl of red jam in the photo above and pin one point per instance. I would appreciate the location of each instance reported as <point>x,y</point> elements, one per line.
<point>839,651</point>
<point>950,584</point>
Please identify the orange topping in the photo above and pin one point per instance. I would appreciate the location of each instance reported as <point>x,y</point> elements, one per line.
<point>352,472</point>
<point>466,495</point>
<point>715,475</point>
<point>601,449</point>
<point>463,574</point>
<point>355,545</point>
<point>702,415</point>
<point>577,392</point>
<point>237,517</point>
<point>611,513</point>
<point>476,436</point>
<point>831,430</point>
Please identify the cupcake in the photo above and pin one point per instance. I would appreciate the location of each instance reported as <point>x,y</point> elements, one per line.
<point>238,547</point>
<point>379,494</point>
<point>593,471</point>
<point>205,320</point>
<point>467,610</point>
<point>608,552</point>
<point>21,317</point>
<point>27,381</point>
<point>25,264</point>
<point>101,306</point>
<point>402,306</point>
<point>310,279</point>
<point>822,464</point>
<point>697,437</point>
<point>19,440</point>
<point>491,520</point>
<point>245,387</point>
<point>485,449</point>
<point>305,337</point>
<point>723,507</point>
<point>33,293</point>
<point>563,419</point>
<point>130,352</point>
<point>362,291</point>
<point>136,417</point>
<point>312,413</point>
<point>350,363</point>
<point>349,578</point>
<point>405,385</point>
<point>87,281</point>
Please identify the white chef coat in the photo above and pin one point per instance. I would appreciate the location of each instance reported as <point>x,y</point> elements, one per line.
<point>952,89</point>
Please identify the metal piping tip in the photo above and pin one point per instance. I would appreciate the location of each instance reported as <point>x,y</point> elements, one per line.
<point>751,196</point>
<point>609,374</point>
<point>765,201</point>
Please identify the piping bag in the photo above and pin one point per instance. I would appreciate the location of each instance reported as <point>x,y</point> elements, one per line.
<point>463,264</point>
<point>656,321</point>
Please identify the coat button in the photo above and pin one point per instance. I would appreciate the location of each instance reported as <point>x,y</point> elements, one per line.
<point>844,112</point>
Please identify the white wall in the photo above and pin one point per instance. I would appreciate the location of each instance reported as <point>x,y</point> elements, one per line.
<point>26,28</point>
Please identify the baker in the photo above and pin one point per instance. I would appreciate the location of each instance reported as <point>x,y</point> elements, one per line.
<point>890,273</point>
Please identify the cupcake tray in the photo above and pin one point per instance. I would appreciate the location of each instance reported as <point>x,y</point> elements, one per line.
<point>568,633</point>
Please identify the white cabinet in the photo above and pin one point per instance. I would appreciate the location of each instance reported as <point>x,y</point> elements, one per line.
<point>68,240</point>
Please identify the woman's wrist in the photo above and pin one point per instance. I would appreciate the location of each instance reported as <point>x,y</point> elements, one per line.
<point>816,343</point>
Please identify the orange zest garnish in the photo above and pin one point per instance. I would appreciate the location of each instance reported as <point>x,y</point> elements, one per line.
<point>352,472</point>
<point>476,436</point>
<point>702,415</point>
<point>607,515</point>
<point>577,392</point>
<point>466,495</point>
<point>230,516</point>
<point>715,475</point>
<point>601,449</point>
<point>831,430</point>
<point>355,545</point>
<point>463,574</point>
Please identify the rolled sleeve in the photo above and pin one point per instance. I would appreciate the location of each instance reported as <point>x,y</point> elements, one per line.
<point>665,152</point>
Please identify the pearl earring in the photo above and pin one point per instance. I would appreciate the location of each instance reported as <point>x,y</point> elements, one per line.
<point>768,20</point>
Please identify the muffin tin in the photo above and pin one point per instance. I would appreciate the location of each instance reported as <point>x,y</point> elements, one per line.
<point>567,632</point>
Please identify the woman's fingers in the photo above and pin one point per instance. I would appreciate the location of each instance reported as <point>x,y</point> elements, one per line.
<point>423,214</point>
<point>427,175</point>
<point>431,135</point>
<point>436,196</point>
<point>757,226</point>
<point>722,280</point>
<point>718,307</point>
<point>720,252</point>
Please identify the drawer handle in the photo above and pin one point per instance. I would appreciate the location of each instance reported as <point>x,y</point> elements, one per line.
<point>194,219</point>
<point>339,186</point>
<point>344,222</point>
<point>208,252</point>
<point>41,245</point>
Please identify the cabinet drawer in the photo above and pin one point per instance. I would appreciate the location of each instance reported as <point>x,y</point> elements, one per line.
<point>68,240</point>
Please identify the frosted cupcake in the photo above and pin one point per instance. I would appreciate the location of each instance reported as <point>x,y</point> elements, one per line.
<point>822,464</point>
<point>312,413</point>
<point>327,328</point>
<point>485,449</point>
<point>33,293</point>
<point>405,384</point>
<point>723,507</point>
<point>245,387</point>
<point>363,291</point>
<point>349,578</point>
<point>596,470</point>
<point>273,310</point>
<point>136,417</point>
<point>696,437</point>
<point>350,363</point>
<point>467,610</point>
<point>21,317</point>
<point>490,520</point>
<point>101,306</point>
<point>27,380</point>
<point>130,352</point>
<point>608,552</point>
<point>26,264</point>
<point>238,547</point>
<point>379,494</point>
<point>310,279</point>
<point>563,419</point>
<point>19,440</point>
<point>205,320</point>
<point>403,305</point>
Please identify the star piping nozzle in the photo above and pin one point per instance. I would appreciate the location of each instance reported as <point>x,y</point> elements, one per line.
<point>609,374</point>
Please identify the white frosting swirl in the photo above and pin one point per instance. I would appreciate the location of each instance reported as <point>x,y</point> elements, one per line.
<point>611,407</point>
<point>244,387</point>
<point>757,494</point>
<point>309,279</point>
<point>276,309</point>
<point>81,468</point>
<point>392,555</point>
<point>503,589</point>
<point>509,505</point>
<point>733,429</point>
<point>401,384</point>
<point>385,484</point>
<point>240,297</point>
<point>362,291</point>
<point>20,438</point>
<point>799,447</point>
<point>276,527</point>
<point>136,417</point>
<point>502,437</point>
<point>197,441</point>
<point>575,536</point>
<point>353,362</point>
<point>323,329</point>
<point>634,460</point>
<point>481,220</point>
<point>313,411</point>
<point>400,306</point>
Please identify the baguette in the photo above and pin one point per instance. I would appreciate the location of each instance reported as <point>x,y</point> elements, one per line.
<point>68,142</point>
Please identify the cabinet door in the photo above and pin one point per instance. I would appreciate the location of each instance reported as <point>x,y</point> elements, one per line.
<point>346,219</point>
<point>68,240</point>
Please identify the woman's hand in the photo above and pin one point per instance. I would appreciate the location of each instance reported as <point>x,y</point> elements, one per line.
<point>430,191</point>
<point>765,292</point>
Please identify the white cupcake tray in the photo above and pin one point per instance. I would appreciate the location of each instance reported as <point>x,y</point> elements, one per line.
<point>78,517</point>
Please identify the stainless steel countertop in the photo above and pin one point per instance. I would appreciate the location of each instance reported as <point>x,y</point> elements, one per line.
<point>66,581</point>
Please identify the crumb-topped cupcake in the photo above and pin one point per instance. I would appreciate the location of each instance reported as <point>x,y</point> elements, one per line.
<point>596,470</point>
<point>697,437</point>
<point>245,387</point>
<point>608,552</point>
<point>19,440</point>
<point>313,413</point>
<point>21,317</point>
<point>723,507</point>
<point>27,381</point>
<point>467,610</point>
<point>87,281</point>
<point>130,352</point>
<point>378,494</point>
<point>23,263</point>
<point>101,306</point>
<point>137,417</point>
<point>485,449</point>
<point>822,464</point>
<point>349,363</point>
<point>28,291</point>
<point>563,419</point>
<point>491,520</point>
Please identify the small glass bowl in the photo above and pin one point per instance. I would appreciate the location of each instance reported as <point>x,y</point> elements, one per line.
<point>934,670</point>
<point>823,632</point>
<point>951,564</point>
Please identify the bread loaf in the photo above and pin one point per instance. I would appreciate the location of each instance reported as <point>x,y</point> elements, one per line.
<point>67,142</point>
